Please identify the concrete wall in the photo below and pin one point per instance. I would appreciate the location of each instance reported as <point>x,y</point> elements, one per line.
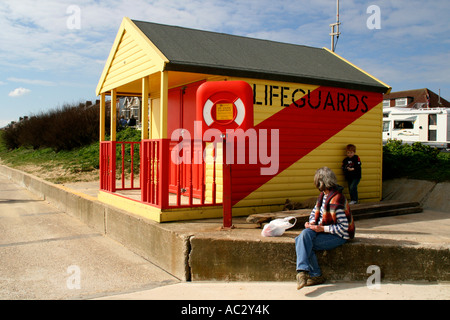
<point>275,260</point>
<point>431,195</point>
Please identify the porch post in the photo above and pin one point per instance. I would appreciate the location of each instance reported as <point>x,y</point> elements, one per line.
<point>102,117</point>
<point>113,114</point>
<point>144,116</point>
<point>112,155</point>
<point>164,104</point>
<point>164,156</point>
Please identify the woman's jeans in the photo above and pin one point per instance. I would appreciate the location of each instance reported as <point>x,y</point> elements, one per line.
<point>307,243</point>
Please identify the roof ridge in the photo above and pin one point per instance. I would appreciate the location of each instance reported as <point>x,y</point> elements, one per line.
<point>225,34</point>
<point>218,53</point>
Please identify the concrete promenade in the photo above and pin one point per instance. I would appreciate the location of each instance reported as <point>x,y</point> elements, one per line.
<point>410,251</point>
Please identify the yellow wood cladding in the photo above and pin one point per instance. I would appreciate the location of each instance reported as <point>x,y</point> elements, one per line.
<point>132,57</point>
<point>130,63</point>
<point>296,182</point>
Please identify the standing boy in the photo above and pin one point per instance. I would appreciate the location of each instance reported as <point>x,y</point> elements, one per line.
<point>352,171</point>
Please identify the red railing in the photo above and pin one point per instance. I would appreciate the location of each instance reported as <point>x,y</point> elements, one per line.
<point>152,157</point>
<point>164,182</point>
<point>114,155</point>
<point>107,166</point>
<point>129,165</point>
<point>187,172</point>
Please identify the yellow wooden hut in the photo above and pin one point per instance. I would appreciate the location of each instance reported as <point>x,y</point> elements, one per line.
<point>317,101</point>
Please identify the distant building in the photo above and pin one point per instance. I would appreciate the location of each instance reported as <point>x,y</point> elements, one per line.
<point>416,116</point>
<point>416,99</point>
<point>130,107</point>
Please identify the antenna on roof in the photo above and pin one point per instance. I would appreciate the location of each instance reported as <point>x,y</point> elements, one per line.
<point>335,30</point>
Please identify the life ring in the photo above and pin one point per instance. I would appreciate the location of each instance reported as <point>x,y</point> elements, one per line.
<point>207,112</point>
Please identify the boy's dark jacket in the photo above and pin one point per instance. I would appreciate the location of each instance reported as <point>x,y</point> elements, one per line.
<point>353,162</point>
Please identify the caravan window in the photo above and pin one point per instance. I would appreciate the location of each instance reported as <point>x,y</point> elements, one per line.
<point>432,119</point>
<point>386,126</point>
<point>403,124</point>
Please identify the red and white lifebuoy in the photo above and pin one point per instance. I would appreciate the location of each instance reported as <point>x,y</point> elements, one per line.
<point>240,114</point>
<point>224,105</point>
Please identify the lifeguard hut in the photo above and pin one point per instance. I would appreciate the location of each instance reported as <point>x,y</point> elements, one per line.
<point>311,101</point>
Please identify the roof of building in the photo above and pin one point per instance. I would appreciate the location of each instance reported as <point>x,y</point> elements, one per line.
<point>419,98</point>
<point>197,51</point>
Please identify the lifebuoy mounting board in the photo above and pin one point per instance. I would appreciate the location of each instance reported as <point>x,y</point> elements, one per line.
<point>225,105</point>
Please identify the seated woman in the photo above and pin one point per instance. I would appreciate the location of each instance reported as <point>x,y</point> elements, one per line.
<point>330,226</point>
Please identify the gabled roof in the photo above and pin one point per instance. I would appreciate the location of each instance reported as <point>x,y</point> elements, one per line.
<point>197,51</point>
<point>217,53</point>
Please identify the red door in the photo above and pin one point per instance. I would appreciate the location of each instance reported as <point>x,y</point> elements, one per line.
<point>181,115</point>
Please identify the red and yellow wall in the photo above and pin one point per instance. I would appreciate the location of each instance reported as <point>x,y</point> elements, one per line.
<point>315,123</point>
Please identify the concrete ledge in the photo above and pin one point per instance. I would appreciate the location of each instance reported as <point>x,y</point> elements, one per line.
<point>430,195</point>
<point>438,198</point>
<point>165,248</point>
<point>275,260</point>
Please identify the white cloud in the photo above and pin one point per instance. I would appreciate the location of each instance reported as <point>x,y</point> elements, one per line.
<point>19,92</point>
<point>32,81</point>
<point>35,36</point>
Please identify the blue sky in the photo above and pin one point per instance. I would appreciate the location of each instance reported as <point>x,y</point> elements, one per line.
<point>47,59</point>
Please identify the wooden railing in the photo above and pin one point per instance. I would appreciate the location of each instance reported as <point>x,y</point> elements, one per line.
<point>184,180</point>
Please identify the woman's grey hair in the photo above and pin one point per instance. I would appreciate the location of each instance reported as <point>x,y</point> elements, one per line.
<point>325,179</point>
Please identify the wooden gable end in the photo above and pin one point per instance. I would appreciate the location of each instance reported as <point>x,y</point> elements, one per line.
<point>132,57</point>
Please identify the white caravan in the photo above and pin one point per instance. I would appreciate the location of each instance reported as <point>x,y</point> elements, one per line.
<point>428,126</point>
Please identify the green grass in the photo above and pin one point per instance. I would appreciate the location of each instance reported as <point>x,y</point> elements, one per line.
<point>81,159</point>
<point>68,163</point>
<point>75,165</point>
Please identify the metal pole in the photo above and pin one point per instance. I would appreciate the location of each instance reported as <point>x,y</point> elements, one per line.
<point>332,37</point>
<point>227,206</point>
<point>333,31</point>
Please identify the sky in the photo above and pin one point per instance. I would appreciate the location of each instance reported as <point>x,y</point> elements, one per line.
<point>52,52</point>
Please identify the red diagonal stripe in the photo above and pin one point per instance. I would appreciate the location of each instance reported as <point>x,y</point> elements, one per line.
<point>304,126</point>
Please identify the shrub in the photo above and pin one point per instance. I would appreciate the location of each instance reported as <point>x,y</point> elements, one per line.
<point>10,137</point>
<point>65,128</point>
<point>404,160</point>
<point>129,134</point>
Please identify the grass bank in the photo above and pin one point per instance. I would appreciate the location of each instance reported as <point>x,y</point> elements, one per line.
<point>76,165</point>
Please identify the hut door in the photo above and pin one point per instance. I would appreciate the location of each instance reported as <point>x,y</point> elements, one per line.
<point>182,113</point>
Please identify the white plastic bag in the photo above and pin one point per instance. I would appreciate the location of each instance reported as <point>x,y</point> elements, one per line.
<point>277,227</point>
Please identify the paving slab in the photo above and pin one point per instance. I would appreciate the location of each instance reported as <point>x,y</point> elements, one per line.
<point>242,291</point>
<point>47,254</point>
